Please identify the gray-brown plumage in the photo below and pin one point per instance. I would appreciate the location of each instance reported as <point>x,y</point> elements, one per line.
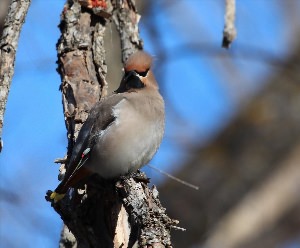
<point>123,131</point>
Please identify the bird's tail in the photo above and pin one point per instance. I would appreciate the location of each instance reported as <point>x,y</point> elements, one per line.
<point>70,182</point>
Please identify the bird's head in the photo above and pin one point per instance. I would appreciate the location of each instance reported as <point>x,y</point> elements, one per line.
<point>138,74</point>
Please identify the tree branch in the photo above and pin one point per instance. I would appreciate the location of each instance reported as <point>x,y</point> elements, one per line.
<point>126,20</point>
<point>8,48</point>
<point>229,33</point>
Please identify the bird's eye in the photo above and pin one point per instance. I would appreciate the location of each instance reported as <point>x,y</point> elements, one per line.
<point>142,73</point>
<point>131,80</point>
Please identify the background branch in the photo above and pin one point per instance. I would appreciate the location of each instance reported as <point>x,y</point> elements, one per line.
<point>229,33</point>
<point>8,48</point>
<point>240,160</point>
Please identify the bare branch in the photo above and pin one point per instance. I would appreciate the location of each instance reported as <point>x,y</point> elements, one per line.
<point>229,33</point>
<point>126,19</point>
<point>8,48</point>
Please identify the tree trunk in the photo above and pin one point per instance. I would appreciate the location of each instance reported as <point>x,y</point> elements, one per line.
<point>115,213</point>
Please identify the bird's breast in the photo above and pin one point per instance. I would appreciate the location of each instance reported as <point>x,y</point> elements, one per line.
<point>131,140</point>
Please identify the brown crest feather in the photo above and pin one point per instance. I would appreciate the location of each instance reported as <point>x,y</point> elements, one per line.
<point>139,61</point>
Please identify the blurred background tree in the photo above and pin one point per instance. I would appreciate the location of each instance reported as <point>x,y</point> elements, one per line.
<point>232,123</point>
<point>3,11</point>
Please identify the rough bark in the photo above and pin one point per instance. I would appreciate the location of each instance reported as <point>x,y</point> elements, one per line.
<point>8,48</point>
<point>126,19</point>
<point>117,213</point>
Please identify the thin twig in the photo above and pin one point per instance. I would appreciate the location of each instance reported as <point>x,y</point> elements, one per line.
<point>174,178</point>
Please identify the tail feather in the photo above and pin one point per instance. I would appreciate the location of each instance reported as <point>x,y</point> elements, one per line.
<point>70,182</point>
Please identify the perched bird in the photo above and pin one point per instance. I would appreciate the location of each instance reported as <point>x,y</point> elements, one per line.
<point>122,132</point>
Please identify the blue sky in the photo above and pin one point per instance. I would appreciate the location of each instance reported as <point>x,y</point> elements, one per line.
<point>195,86</point>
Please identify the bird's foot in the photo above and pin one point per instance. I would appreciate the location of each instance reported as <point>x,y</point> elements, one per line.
<point>53,196</point>
<point>138,176</point>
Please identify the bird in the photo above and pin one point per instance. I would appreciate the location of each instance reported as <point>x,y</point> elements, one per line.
<point>122,132</point>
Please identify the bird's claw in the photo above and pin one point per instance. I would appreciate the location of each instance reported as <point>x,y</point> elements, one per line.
<point>54,196</point>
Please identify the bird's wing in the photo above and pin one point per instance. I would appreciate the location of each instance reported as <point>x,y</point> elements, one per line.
<point>100,117</point>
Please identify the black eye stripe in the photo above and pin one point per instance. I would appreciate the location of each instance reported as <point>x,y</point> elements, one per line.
<point>143,73</point>
<point>131,80</point>
<point>134,82</point>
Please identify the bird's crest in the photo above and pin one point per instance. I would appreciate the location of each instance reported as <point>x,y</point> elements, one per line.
<point>140,61</point>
